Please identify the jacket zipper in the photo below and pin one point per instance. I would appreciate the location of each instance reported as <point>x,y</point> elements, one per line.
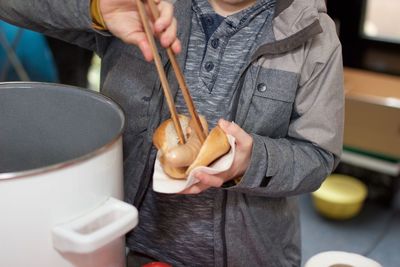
<point>224,192</point>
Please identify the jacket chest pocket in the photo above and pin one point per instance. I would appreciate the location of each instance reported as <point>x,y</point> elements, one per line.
<point>271,105</point>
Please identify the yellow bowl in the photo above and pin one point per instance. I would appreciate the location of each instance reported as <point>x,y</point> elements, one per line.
<point>340,197</point>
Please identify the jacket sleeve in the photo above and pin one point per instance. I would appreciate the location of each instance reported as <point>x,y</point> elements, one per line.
<point>299,162</point>
<point>66,20</point>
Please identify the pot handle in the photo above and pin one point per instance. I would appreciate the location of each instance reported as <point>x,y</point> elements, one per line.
<point>95,229</point>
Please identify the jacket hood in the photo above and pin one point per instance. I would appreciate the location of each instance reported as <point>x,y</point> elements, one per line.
<point>292,16</point>
<point>294,23</point>
<point>283,4</point>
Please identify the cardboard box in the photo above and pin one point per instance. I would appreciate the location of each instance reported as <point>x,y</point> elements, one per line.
<point>372,115</point>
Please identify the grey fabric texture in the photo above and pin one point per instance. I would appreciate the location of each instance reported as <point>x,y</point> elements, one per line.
<point>289,98</point>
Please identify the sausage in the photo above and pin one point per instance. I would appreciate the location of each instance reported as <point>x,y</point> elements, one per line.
<point>184,155</point>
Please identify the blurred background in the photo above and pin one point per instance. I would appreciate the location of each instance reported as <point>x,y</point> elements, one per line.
<point>30,56</point>
<point>370,35</point>
<point>357,210</point>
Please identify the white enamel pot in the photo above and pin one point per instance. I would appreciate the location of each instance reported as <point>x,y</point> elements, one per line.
<point>61,184</point>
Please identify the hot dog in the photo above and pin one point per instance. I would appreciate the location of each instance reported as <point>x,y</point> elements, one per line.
<point>177,160</point>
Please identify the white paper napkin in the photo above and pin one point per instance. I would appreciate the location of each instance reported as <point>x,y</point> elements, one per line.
<point>163,184</point>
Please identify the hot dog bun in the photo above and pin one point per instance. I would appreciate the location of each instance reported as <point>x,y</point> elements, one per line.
<point>215,146</point>
<point>165,136</point>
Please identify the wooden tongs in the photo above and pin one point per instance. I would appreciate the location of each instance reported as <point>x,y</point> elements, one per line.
<point>163,78</point>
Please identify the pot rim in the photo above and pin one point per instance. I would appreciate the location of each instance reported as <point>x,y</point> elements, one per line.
<point>62,165</point>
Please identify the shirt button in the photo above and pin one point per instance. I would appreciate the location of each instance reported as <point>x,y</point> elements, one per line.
<point>209,66</point>
<point>209,20</point>
<point>262,87</point>
<point>215,43</point>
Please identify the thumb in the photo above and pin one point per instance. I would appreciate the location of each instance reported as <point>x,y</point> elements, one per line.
<point>233,129</point>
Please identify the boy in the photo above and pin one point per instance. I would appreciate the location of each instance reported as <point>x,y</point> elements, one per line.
<point>271,66</point>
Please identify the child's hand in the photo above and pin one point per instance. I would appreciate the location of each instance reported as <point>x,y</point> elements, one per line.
<point>244,145</point>
<point>122,19</point>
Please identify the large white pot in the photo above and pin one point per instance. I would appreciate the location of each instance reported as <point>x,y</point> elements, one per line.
<point>61,178</point>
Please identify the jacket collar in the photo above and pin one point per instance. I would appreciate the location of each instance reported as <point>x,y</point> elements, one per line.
<point>183,13</point>
<point>294,23</point>
<point>281,5</point>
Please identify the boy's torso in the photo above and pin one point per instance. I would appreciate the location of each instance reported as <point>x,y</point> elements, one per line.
<point>184,225</point>
<point>145,110</point>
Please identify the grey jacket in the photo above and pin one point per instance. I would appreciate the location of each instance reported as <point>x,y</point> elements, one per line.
<point>290,98</point>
